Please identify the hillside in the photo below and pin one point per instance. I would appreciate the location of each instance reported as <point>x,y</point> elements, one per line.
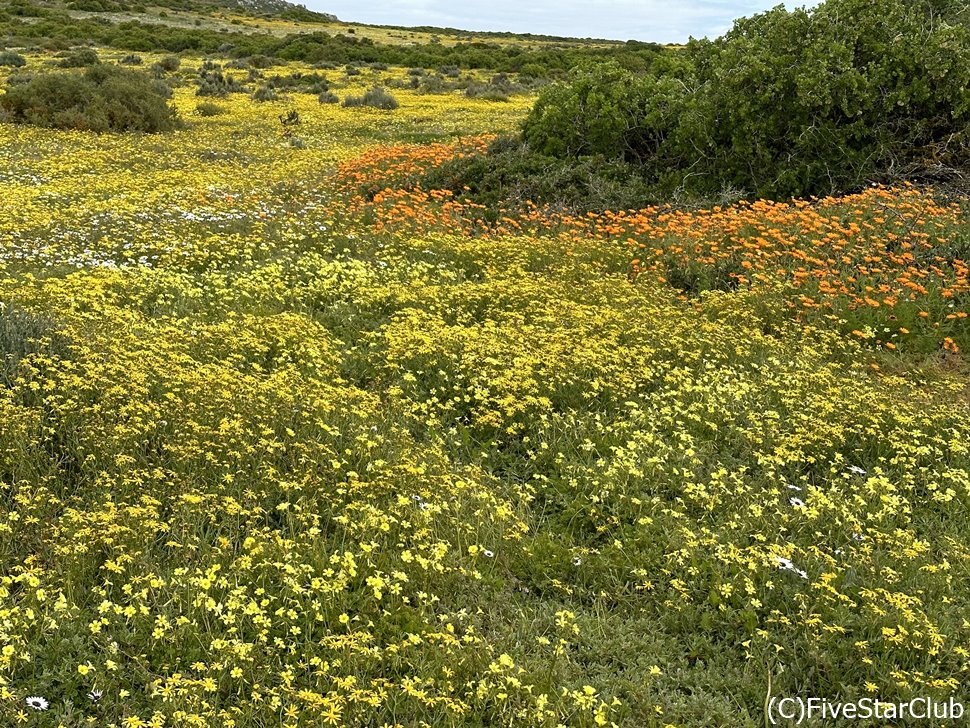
<point>339,386</point>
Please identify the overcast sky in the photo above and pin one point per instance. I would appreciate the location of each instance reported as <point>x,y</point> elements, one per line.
<point>648,20</point>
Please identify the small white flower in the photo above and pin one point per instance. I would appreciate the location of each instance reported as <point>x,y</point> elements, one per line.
<point>857,537</point>
<point>856,469</point>
<point>797,502</point>
<point>577,561</point>
<point>36,702</point>
<point>416,498</point>
<point>792,487</point>
<point>488,554</point>
<point>784,563</point>
<point>787,565</point>
<point>95,695</point>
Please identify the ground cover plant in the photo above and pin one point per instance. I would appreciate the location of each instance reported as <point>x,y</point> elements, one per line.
<point>291,437</point>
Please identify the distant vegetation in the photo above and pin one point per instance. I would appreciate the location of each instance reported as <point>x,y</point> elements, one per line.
<point>25,24</point>
<point>103,98</point>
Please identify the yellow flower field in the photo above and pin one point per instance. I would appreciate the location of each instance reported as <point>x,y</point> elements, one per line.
<point>271,455</point>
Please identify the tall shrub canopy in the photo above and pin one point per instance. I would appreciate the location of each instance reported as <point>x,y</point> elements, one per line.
<point>787,103</point>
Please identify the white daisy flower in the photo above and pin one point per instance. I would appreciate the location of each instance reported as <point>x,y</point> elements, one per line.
<point>577,561</point>
<point>787,565</point>
<point>36,702</point>
<point>488,554</point>
<point>797,502</point>
<point>95,695</point>
<point>792,487</point>
<point>856,469</point>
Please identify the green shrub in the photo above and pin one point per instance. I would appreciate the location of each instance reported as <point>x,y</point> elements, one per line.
<point>265,93</point>
<point>9,58</point>
<point>311,83</point>
<point>811,101</point>
<point>213,82</point>
<point>80,58</point>
<point>509,174</point>
<point>103,98</point>
<point>376,97</point>
<point>486,92</point>
<point>170,64</point>
<point>260,61</point>
<point>328,97</point>
<point>207,108</point>
<point>131,60</point>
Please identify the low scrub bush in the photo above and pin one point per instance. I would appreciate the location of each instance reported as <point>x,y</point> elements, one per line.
<point>79,58</point>
<point>376,97</point>
<point>103,98</point>
<point>170,64</point>
<point>207,108</point>
<point>213,82</point>
<point>9,58</point>
<point>265,93</point>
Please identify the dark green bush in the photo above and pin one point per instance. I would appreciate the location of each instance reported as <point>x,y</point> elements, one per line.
<point>103,98</point>
<point>812,101</point>
<point>376,97</point>
<point>207,108</point>
<point>170,64</point>
<point>9,58</point>
<point>509,175</point>
<point>265,93</point>
<point>80,58</point>
<point>213,82</point>
<point>311,83</point>
<point>328,97</point>
<point>131,60</point>
<point>486,92</point>
<point>260,61</point>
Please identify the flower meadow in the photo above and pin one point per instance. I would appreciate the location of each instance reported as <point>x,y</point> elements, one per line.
<point>288,440</point>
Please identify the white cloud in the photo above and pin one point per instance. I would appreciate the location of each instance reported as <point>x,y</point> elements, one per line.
<point>647,20</point>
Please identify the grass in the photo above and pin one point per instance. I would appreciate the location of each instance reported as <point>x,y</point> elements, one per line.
<point>277,452</point>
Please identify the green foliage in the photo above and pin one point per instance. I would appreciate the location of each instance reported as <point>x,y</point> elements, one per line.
<point>103,98</point>
<point>376,97</point>
<point>207,108</point>
<point>510,175</point>
<point>328,97</point>
<point>80,58</point>
<point>213,82</point>
<point>170,64</point>
<point>9,58</point>
<point>498,88</point>
<point>56,26</point>
<point>787,103</point>
<point>265,93</point>
<point>310,83</point>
